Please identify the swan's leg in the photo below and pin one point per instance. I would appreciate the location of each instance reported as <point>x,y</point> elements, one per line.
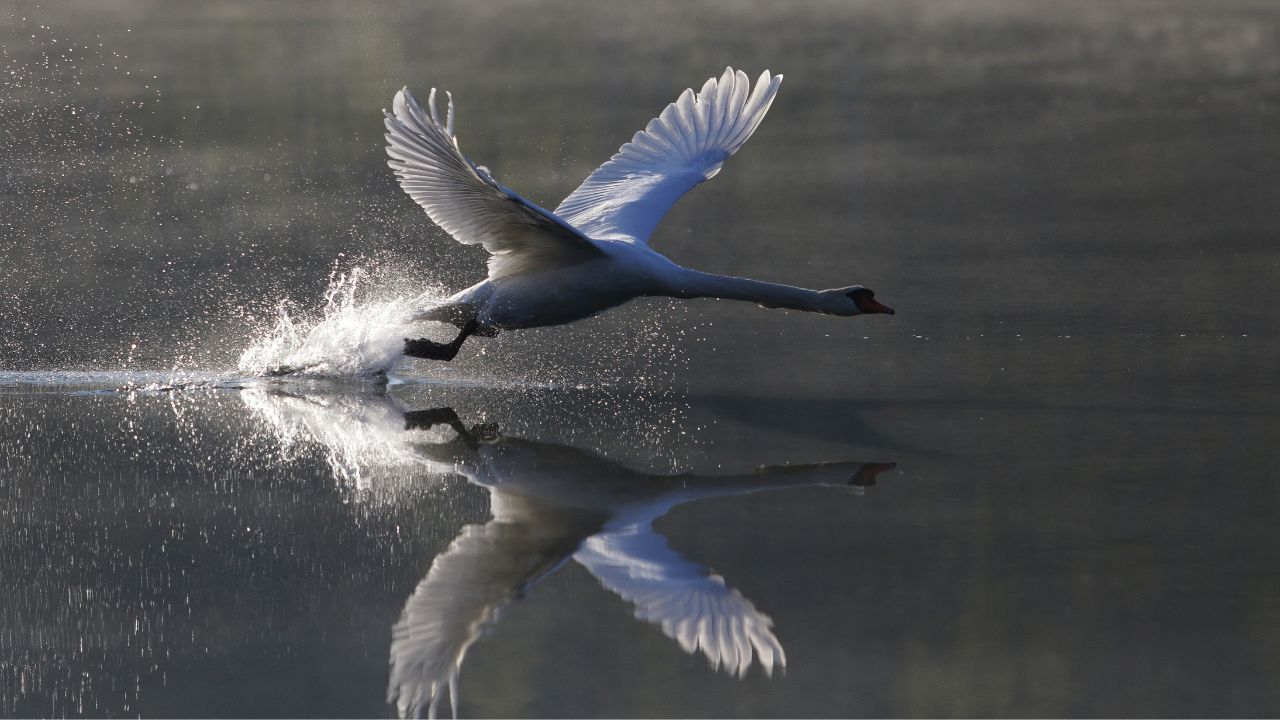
<point>430,350</point>
<point>425,419</point>
<point>458,450</point>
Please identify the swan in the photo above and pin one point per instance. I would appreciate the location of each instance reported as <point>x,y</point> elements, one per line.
<point>552,503</point>
<point>591,253</point>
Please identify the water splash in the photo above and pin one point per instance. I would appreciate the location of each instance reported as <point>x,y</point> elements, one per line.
<point>351,337</point>
<point>363,437</point>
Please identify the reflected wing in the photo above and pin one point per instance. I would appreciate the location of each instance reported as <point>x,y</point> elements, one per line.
<point>690,604</point>
<point>467,202</point>
<point>484,569</point>
<point>626,197</point>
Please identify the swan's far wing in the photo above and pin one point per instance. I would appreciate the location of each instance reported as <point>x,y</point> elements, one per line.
<point>464,200</point>
<point>460,595</point>
<point>626,197</point>
<point>692,605</point>
<point>485,568</point>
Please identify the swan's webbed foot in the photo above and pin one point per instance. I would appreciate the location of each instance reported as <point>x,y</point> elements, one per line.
<point>473,438</point>
<point>431,350</point>
<point>426,419</point>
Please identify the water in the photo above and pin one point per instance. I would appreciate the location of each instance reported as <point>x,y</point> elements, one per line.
<point>1070,422</point>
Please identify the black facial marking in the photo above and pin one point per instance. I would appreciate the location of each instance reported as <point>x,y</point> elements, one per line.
<point>859,296</point>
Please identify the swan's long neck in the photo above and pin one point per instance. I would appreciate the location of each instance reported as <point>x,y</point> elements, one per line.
<point>689,284</point>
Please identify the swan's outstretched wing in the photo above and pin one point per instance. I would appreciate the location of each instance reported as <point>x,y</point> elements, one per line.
<point>691,605</point>
<point>626,197</point>
<point>485,568</point>
<point>467,202</point>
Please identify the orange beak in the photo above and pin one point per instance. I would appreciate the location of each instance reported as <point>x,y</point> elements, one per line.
<point>872,306</point>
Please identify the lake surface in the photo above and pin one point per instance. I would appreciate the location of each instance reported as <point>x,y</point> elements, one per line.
<point>1046,486</point>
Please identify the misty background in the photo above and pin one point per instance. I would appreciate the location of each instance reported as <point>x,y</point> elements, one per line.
<point>1071,206</point>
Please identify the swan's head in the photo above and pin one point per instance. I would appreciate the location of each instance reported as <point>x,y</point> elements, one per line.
<point>854,300</point>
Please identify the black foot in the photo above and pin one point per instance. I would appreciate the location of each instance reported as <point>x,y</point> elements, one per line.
<point>429,350</point>
<point>425,419</point>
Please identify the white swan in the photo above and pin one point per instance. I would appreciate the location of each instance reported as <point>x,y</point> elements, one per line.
<point>551,503</point>
<point>591,254</point>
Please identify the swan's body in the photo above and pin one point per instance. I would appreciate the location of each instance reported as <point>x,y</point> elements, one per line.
<point>592,253</point>
<point>560,295</point>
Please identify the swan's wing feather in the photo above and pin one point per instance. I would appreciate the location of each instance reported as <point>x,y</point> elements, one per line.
<point>693,606</point>
<point>464,199</point>
<point>626,197</point>
<point>485,568</point>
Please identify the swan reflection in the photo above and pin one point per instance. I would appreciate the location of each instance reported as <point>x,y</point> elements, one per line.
<point>551,504</point>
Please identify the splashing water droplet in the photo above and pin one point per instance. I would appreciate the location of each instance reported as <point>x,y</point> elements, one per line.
<point>350,338</point>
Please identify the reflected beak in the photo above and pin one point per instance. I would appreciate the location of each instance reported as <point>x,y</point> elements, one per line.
<point>866,476</point>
